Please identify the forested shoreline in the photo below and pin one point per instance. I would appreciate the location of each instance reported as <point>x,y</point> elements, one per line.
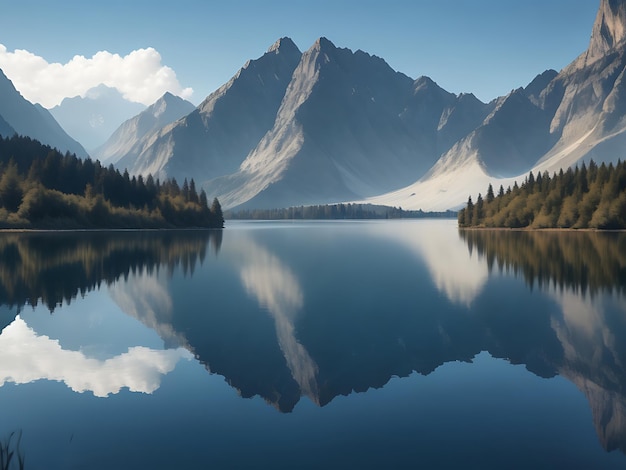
<point>40,188</point>
<point>586,197</point>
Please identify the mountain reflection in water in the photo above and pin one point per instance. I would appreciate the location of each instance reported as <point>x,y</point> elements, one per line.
<point>585,274</point>
<point>314,311</point>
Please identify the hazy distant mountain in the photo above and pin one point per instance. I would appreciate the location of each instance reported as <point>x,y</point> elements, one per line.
<point>215,138</point>
<point>32,120</point>
<point>92,119</point>
<point>128,140</point>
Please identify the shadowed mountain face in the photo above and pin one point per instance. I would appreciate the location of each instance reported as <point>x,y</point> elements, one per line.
<point>32,120</point>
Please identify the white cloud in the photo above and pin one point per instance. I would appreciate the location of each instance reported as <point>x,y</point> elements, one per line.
<point>26,357</point>
<point>139,76</point>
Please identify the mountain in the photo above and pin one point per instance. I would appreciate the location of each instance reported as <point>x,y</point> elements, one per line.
<point>127,140</point>
<point>33,121</point>
<point>93,118</point>
<point>557,121</point>
<point>217,136</point>
<point>348,126</point>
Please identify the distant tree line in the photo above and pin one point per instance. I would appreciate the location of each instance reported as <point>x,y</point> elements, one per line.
<point>42,188</point>
<point>334,212</point>
<point>584,197</point>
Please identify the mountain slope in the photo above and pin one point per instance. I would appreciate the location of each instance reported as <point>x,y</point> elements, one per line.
<point>217,136</point>
<point>33,121</point>
<point>127,141</point>
<point>93,118</point>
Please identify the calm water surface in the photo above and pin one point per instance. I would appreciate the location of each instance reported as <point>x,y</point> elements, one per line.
<point>314,345</point>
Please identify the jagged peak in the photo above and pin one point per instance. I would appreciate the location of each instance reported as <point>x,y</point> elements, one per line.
<point>468,97</point>
<point>283,44</point>
<point>425,82</point>
<point>323,43</point>
<point>513,99</point>
<point>540,82</point>
<point>609,29</point>
<point>165,102</point>
<point>165,99</point>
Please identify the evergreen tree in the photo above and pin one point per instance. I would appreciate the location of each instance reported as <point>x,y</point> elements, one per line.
<point>490,195</point>
<point>185,190</point>
<point>11,192</point>
<point>469,212</point>
<point>477,218</point>
<point>204,203</point>
<point>216,212</point>
<point>193,195</point>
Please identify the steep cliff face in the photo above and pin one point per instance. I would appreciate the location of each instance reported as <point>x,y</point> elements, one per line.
<point>609,29</point>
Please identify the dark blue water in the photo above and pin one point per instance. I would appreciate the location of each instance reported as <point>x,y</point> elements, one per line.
<point>397,344</point>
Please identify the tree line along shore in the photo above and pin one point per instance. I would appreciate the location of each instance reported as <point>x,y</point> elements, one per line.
<point>591,196</point>
<point>40,188</point>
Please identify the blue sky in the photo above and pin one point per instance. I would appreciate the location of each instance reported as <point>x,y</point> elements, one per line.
<point>486,47</point>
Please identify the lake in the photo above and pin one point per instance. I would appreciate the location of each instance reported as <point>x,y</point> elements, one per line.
<point>330,344</point>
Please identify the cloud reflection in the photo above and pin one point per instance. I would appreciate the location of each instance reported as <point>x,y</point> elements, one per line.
<point>26,357</point>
